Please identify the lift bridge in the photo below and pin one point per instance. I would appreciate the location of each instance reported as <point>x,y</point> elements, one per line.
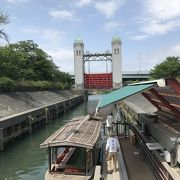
<point>85,79</point>
<point>111,78</point>
<point>129,76</point>
<point>98,80</point>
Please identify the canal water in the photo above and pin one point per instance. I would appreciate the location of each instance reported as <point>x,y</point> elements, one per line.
<point>24,160</point>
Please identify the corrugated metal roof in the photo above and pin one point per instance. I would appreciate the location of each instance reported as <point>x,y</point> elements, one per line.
<point>81,132</point>
<point>122,93</point>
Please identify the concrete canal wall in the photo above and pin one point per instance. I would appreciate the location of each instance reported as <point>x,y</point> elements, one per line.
<point>21,112</point>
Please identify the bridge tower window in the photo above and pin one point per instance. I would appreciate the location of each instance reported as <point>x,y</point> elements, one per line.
<point>78,53</point>
<point>116,51</point>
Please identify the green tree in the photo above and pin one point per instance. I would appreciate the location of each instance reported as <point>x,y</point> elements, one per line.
<point>26,60</point>
<point>169,68</point>
<point>4,19</point>
<point>30,67</point>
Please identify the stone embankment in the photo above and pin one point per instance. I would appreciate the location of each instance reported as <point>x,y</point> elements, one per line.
<point>21,112</point>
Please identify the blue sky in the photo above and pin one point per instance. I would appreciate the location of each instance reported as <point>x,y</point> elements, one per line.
<point>149,29</point>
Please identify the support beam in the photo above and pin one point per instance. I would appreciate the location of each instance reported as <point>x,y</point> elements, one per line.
<point>149,99</point>
<point>165,102</point>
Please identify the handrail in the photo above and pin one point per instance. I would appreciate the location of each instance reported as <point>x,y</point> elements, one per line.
<point>160,171</point>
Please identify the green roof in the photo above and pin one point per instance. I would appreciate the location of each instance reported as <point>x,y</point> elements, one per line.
<point>122,93</point>
<point>78,40</point>
<point>115,39</point>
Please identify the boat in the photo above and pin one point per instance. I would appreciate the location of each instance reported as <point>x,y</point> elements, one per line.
<point>74,149</point>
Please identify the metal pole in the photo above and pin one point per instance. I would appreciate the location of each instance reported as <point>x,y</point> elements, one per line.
<point>106,66</point>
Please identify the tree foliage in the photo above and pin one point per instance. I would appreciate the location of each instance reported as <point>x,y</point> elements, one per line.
<point>169,68</point>
<point>24,62</point>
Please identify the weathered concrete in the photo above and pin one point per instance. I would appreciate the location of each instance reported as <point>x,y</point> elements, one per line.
<point>140,104</point>
<point>21,112</point>
<point>16,102</point>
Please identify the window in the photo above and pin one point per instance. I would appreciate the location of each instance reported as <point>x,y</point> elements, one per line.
<point>78,53</point>
<point>116,51</point>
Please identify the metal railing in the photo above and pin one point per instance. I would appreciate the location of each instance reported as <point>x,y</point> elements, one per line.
<point>160,172</point>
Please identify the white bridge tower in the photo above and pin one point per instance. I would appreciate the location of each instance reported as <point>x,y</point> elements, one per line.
<point>110,80</point>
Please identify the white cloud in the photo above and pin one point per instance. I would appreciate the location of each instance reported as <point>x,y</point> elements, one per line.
<point>139,37</point>
<point>176,49</point>
<point>16,1</point>
<point>163,9</point>
<point>63,58</point>
<point>62,14</point>
<point>160,17</point>
<point>81,3</point>
<point>30,30</point>
<point>159,28</point>
<point>150,60</point>
<point>111,26</point>
<point>51,35</point>
<point>108,8</point>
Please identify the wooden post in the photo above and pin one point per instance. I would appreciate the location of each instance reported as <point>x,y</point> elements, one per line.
<point>1,139</point>
<point>30,123</point>
<point>49,159</point>
<point>56,111</point>
<point>64,106</point>
<point>86,154</point>
<point>46,112</point>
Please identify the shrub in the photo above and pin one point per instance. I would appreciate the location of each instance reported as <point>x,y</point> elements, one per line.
<point>6,84</point>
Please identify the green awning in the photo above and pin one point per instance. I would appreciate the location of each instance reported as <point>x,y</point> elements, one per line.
<point>122,93</point>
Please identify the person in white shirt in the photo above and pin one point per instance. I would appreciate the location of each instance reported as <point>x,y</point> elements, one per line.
<point>109,123</point>
<point>112,148</point>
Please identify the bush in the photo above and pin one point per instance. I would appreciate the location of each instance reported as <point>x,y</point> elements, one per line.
<point>58,85</point>
<point>6,84</point>
<point>24,85</point>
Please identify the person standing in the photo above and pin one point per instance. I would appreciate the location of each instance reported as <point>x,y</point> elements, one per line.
<point>109,123</point>
<point>112,148</point>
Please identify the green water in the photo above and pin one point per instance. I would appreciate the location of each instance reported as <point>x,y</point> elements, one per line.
<point>24,160</point>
